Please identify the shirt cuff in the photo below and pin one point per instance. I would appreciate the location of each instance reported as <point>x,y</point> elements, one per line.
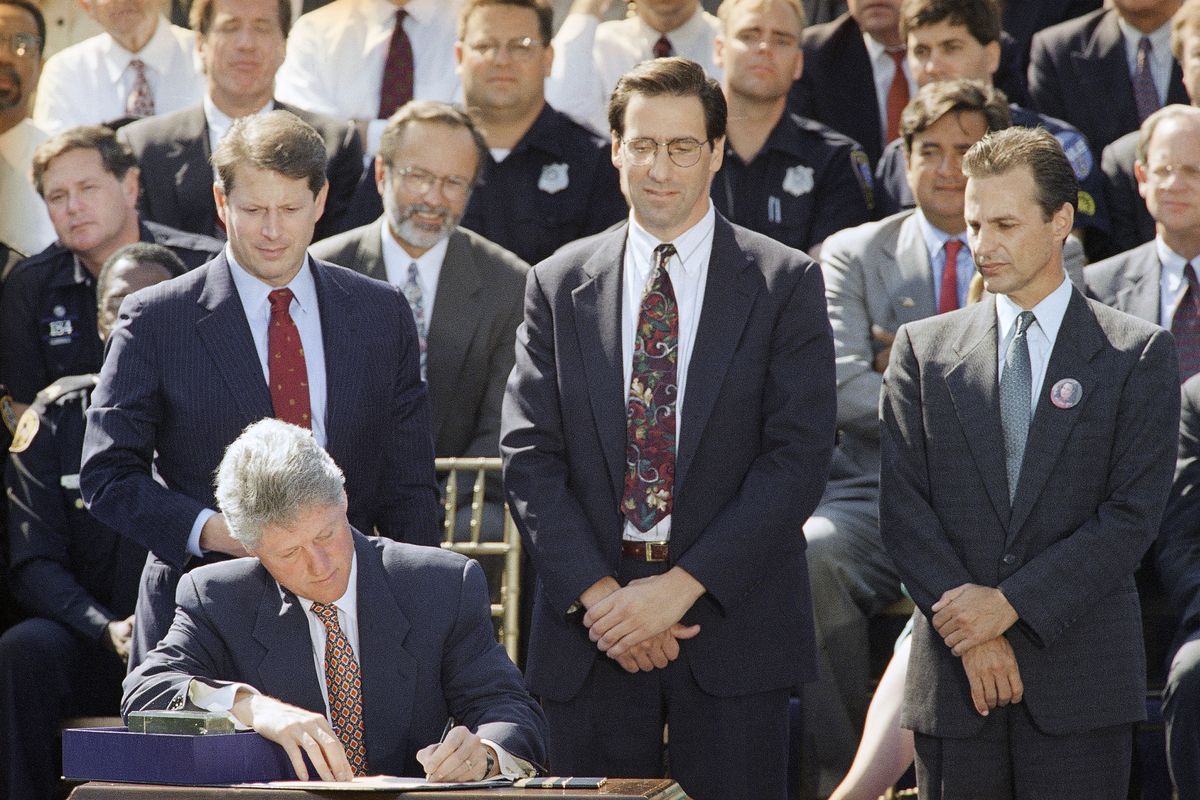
<point>510,765</point>
<point>193,542</point>
<point>219,699</point>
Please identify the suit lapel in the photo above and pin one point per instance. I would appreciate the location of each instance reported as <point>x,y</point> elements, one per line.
<point>597,303</point>
<point>1102,67</point>
<point>345,357</point>
<point>193,176</point>
<point>1079,339</point>
<point>223,329</point>
<point>287,669</point>
<point>728,297</point>
<point>368,253</point>
<point>456,317</point>
<point>1141,296</point>
<point>974,392</point>
<point>910,284</point>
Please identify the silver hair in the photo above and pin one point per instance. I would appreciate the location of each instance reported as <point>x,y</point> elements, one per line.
<point>269,474</point>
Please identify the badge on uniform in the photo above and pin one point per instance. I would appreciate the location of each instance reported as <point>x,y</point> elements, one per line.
<point>554,178</point>
<point>1066,393</point>
<point>1078,153</point>
<point>798,180</point>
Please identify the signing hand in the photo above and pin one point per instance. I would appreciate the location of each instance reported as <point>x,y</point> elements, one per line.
<point>644,608</point>
<point>969,615</point>
<point>461,756</point>
<point>883,340</point>
<point>993,674</point>
<point>215,538</point>
<point>117,636</point>
<point>296,730</point>
<point>657,651</point>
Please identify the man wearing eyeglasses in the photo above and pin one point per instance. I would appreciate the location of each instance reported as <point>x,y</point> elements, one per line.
<point>546,180</point>
<point>666,431</point>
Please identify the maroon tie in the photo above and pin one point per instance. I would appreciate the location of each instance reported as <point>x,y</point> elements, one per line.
<point>285,354</point>
<point>397,87</point>
<point>1185,326</point>
<point>343,682</point>
<point>948,299</point>
<point>897,96</point>
<point>662,48</point>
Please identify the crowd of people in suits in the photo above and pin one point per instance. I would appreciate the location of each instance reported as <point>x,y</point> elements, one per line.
<point>418,228</point>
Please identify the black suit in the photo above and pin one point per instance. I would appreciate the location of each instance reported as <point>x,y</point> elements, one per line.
<point>1078,72</point>
<point>173,151</point>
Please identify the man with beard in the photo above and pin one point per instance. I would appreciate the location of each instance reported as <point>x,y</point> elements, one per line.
<point>430,155</point>
<point>24,225</point>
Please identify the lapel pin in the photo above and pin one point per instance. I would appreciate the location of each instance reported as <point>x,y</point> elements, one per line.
<point>1066,393</point>
<point>907,302</point>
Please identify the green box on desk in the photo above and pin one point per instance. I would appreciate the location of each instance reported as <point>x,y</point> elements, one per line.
<point>118,754</point>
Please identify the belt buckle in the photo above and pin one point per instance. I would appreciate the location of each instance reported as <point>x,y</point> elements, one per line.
<point>649,549</point>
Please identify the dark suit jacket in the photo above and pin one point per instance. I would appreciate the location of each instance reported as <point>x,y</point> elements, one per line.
<point>1087,506</point>
<point>1130,220</point>
<point>173,153</point>
<point>757,431</point>
<point>1078,73</point>
<point>182,379</point>
<point>1179,538</point>
<point>1128,282</point>
<point>427,651</point>
<point>470,346</point>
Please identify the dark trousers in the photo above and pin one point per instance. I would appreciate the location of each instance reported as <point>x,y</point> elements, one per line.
<point>1181,713</point>
<point>47,673</point>
<point>719,748</point>
<point>1011,759</point>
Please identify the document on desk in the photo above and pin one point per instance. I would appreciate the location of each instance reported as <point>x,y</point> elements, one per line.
<point>379,783</point>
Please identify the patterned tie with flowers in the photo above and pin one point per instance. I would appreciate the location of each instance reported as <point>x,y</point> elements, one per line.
<point>344,684</point>
<point>650,415</point>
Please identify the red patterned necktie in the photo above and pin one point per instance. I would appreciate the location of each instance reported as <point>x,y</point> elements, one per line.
<point>662,48</point>
<point>140,102</point>
<point>285,356</point>
<point>344,684</point>
<point>1185,326</point>
<point>948,299</point>
<point>650,415</point>
<point>397,86</point>
<point>897,96</point>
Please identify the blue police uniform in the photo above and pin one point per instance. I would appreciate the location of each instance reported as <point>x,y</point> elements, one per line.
<point>557,185</point>
<point>1091,211</point>
<point>48,312</point>
<point>807,182</point>
<point>72,575</point>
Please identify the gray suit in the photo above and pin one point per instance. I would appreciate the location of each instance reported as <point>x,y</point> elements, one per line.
<point>1129,282</point>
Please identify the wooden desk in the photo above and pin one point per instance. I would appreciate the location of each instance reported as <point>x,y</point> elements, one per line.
<point>614,789</point>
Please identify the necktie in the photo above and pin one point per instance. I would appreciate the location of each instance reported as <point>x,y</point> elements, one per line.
<point>1145,94</point>
<point>948,299</point>
<point>140,102</point>
<point>650,415</point>
<point>397,86</point>
<point>344,684</point>
<point>662,48</point>
<point>1185,326</point>
<point>285,356</point>
<point>416,296</point>
<point>1016,387</point>
<point>897,97</point>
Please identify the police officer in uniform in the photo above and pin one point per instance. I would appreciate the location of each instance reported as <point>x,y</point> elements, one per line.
<point>785,176</point>
<point>76,578</point>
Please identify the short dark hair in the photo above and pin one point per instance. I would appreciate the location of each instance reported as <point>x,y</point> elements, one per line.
<point>981,18</point>
<point>39,20</point>
<point>543,9</point>
<point>201,16</point>
<point>115,155</point>
<point>277,141</point>
<point>429,111</point>
<point>676,77</point>
<point>1035,148</point>
<point>1185,22</point>
<point>936,100</point>
<point>142,253</point>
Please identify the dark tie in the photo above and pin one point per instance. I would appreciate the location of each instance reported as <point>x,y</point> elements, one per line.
<point>397,86</point>
<point>650,416</point>
<point>1016,387</point>
<point>662,48</point>
<point>897,97</point>
<point>285,357</point>
<point>1145,94</point>
<point>343,682</point>
<point>1185,326</point>
<point>140,102</point>
<point>948,299</point>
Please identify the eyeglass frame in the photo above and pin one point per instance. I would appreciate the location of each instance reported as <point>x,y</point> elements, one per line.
<point>11,41</point>
<point>648,159</point>
<point>429,179</point>
<point>522,49</point>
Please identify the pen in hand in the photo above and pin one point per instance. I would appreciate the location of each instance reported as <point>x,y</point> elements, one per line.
<point>446,730</point>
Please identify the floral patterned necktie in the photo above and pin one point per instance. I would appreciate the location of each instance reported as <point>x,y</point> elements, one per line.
<point>650,414</point>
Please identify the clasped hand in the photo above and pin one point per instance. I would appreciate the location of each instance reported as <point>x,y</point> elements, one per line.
<point>638,624</point>
<point>969,615</point>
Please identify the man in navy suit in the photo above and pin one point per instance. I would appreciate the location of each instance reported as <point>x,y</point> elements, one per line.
<point>348,649</point>
<point>666,528</point>
<point>187,369</point>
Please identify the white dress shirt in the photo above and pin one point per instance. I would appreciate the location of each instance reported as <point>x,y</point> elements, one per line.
<point>336,54</point>
<point>89,83</point>
<point>24,222</point>
<point>305,313</point>
<point>66,24</point>
<point>1040,335</point>
<point>590,55</point>
<point>884,69</point>
<point>688,270</point>
<point>429,267</point>
<point>935,244</point>
<point>1171,282</point>
<point>1162,61</point>
<point>219,122</point>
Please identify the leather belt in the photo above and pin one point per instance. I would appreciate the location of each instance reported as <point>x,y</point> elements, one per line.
<point>644,551</point>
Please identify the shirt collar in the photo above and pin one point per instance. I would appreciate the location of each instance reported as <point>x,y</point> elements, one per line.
<point>680,37</point>
<point>1160,40</point>
<point>1049,312</point>
<point>875,48</point>
<point>685,244</point>
<point>935,238</point>
<point>1171,265</point>
<point>158,53</point>
<point>219,122</point>
<point>253,292</point>
<point>422,12</point>
<point>546,134</point>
